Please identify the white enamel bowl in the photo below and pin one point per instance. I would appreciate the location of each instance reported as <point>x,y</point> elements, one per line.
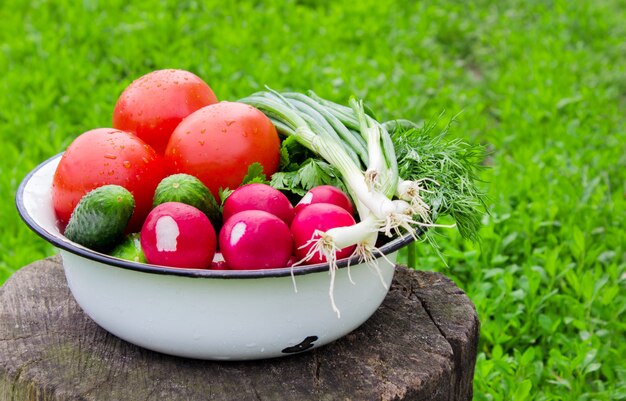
<point>209,314</point>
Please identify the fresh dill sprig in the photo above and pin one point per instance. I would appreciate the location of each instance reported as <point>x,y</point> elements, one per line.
<point>447,169</point>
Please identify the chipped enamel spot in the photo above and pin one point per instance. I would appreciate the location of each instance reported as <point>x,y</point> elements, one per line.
<point>238,231</point>
<point>306,199</point>
<point>166,234</point>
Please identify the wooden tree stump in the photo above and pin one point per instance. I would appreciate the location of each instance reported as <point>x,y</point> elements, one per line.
<point>419,345</point>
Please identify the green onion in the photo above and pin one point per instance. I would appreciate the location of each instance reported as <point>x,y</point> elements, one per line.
<point>364,152</point>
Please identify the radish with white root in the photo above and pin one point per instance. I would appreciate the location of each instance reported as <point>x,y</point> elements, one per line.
<point>311,227</point>
<point>255,239</point>
<point>325,194</point>
<point>178,235</point>
<point>218,262</point>
<point>257,196</point>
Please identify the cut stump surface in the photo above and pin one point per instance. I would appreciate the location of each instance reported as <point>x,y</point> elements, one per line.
<point>419,345</point>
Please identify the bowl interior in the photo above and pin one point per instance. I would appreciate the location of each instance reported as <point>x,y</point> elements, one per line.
<point>34,204</point>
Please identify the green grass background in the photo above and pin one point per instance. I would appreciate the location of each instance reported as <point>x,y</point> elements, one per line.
<point>541,83</point>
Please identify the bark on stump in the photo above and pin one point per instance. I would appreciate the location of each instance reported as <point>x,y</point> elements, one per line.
<point>419,345</point>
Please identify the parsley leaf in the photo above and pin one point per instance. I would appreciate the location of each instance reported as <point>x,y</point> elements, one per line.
<point>255,175</point>
<point>301,170</point>
<point>311,173</point>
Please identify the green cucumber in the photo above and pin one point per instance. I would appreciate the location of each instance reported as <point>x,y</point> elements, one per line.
<point>130,249</point>
<point>190,190</point>
<point>100,218</point>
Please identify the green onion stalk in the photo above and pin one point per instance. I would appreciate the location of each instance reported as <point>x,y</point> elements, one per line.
<point>408,190</point>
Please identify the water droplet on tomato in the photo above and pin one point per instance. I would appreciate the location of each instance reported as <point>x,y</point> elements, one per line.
<point>110,156</point>
<point>126,164</point>
<point>230,122</point>
<point>203,130</point>
<point>145,160</point>
<point>201,143</point>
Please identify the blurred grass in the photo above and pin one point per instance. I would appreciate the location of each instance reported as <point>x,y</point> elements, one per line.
<point>541,83</point>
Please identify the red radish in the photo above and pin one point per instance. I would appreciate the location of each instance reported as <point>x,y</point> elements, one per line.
<point>322,217</point>
<point>178,235</point>
<point>259,197</point>
<point>291,261</point>
<point>254,239</point>
<point>218,262</point>
<point>325,194</point>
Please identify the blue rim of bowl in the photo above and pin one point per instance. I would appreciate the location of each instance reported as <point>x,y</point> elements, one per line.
<point>66,245</point>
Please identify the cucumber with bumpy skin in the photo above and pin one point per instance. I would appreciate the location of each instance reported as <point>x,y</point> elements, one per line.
<point>185,188</point>
<point>130,249</point>
<point>100,218</point>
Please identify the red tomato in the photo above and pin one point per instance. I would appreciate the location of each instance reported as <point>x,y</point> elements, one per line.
<point>218,142</point>
<point>107,156</point>
<point>152,106</point>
